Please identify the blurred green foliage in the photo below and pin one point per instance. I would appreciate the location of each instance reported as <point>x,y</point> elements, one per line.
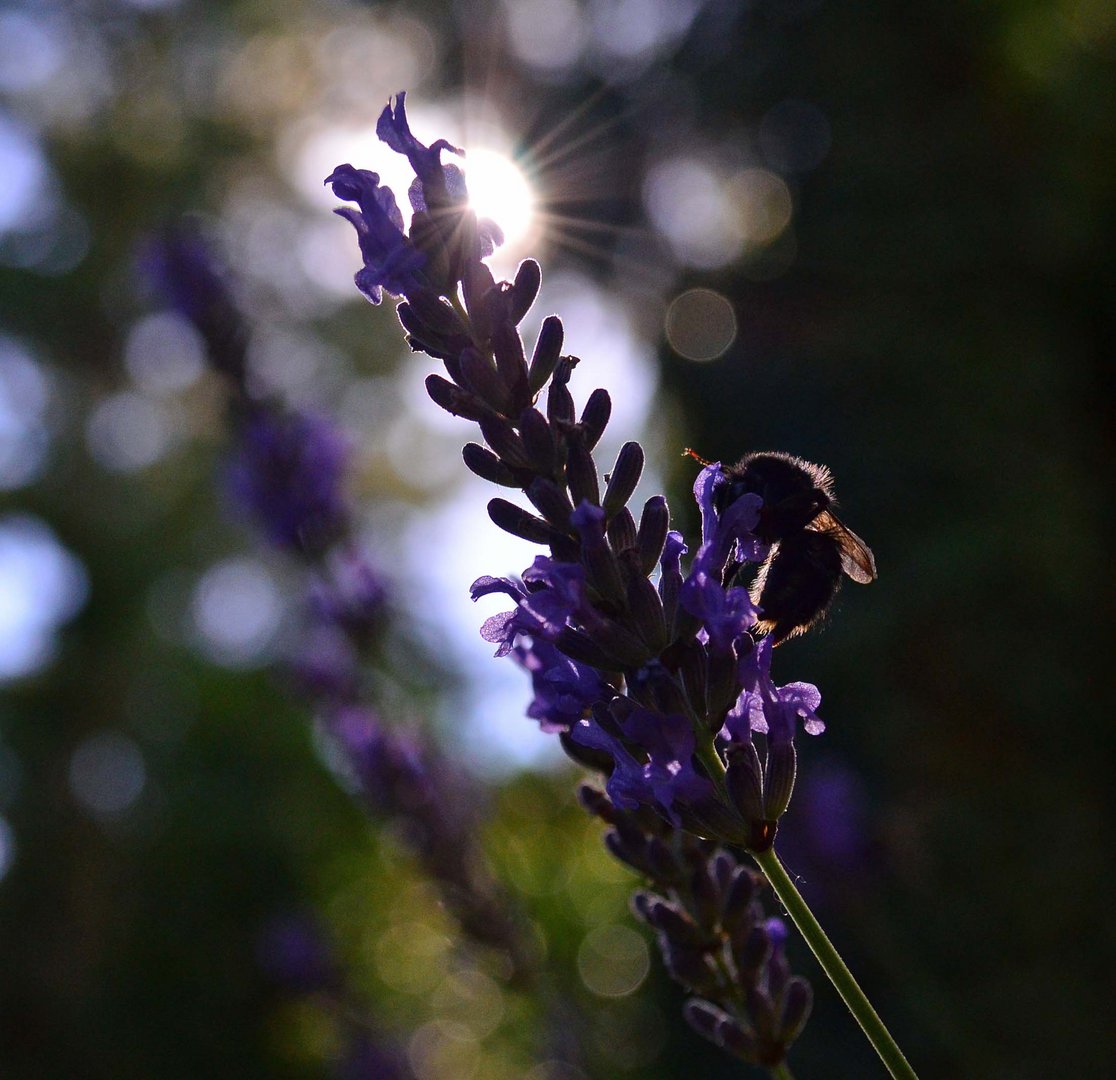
<point>935,324</point>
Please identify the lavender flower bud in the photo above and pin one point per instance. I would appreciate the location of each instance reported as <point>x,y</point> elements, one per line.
<point>743,778</point>
<point>706,896</point>
<point>621,532</point>
<point>501,436</point>
<point>596,803</point>
<point>588,520</point>
<point>794,1009</point>
<point>718,820</point>
<point>778,970</point>
<point>737,913</point>
<point>551,501</point>
<point>685,625</point>
<point>454,400</point>
<point>539,439</point>
<point>647,613</point>
<point>752,953</point>
<point>617,642</point>
<point>524,289</point>
<point>579,646</point>
<point>435,313</point>
<point>487,465</point>
<point>654,524</point>
<point>434,327</point>
<point>676,924</point>
<point>720,1028</point>
<point>721,687</point>
<point>507,348</point>
<point>420,336</point>
<point>664,866</point>
<point>477,283</point>
<point>689,966</point>
<point>517,521</point>
<point>559,401</point>
<point>581,473</point>
<point>778,777</point>
<point>723,867</point>
<point>484,380</point>
<point>761,1011</point>
<point>594,417</point>
<point>670,580</point>
<point>632,853</point>
<point>548,348</point>
<point>624,477</point>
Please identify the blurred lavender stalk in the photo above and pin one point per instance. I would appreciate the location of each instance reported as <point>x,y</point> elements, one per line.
<point>295,953</point>
<point>287,476</point>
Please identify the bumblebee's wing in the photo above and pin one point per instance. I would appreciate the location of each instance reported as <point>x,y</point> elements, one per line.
<point>857,559</point>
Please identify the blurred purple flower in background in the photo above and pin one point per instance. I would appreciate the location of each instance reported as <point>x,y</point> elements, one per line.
<point>287,474</point>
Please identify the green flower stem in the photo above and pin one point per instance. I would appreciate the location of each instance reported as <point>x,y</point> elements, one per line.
<point>834,966</point>
<point>781,1072</point>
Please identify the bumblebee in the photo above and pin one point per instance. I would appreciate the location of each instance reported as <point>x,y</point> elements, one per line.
<point>810,548</point>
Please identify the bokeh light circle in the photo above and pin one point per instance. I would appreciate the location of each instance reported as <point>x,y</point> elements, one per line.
<point>613,960</point>
<point>700,325</point>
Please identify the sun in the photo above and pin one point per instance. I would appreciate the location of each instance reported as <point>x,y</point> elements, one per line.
<point>499,190</point>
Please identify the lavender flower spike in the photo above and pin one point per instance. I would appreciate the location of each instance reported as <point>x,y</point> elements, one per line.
<point>683,669</point>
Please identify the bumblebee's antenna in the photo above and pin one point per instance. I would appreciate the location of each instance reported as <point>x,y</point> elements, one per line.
<point>687,452</point>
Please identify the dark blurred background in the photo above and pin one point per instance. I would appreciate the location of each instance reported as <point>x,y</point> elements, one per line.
<point>875,235</point>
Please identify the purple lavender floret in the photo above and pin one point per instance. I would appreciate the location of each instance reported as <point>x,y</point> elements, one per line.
<point>564,689</point>
<point>437,188</point>
<point>287,474</point>
<point>391,262</point>
<point>445,237</point>
<point>728,533</point>
<point>548,595</point>
<point>663,776</point>
<point>393,129</point>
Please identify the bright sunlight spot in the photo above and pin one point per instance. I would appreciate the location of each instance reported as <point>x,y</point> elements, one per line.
<point>498,187</point>
<point>498,190</point>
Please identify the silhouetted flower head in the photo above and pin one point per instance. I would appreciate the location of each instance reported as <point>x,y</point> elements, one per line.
<point>444,236</point>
